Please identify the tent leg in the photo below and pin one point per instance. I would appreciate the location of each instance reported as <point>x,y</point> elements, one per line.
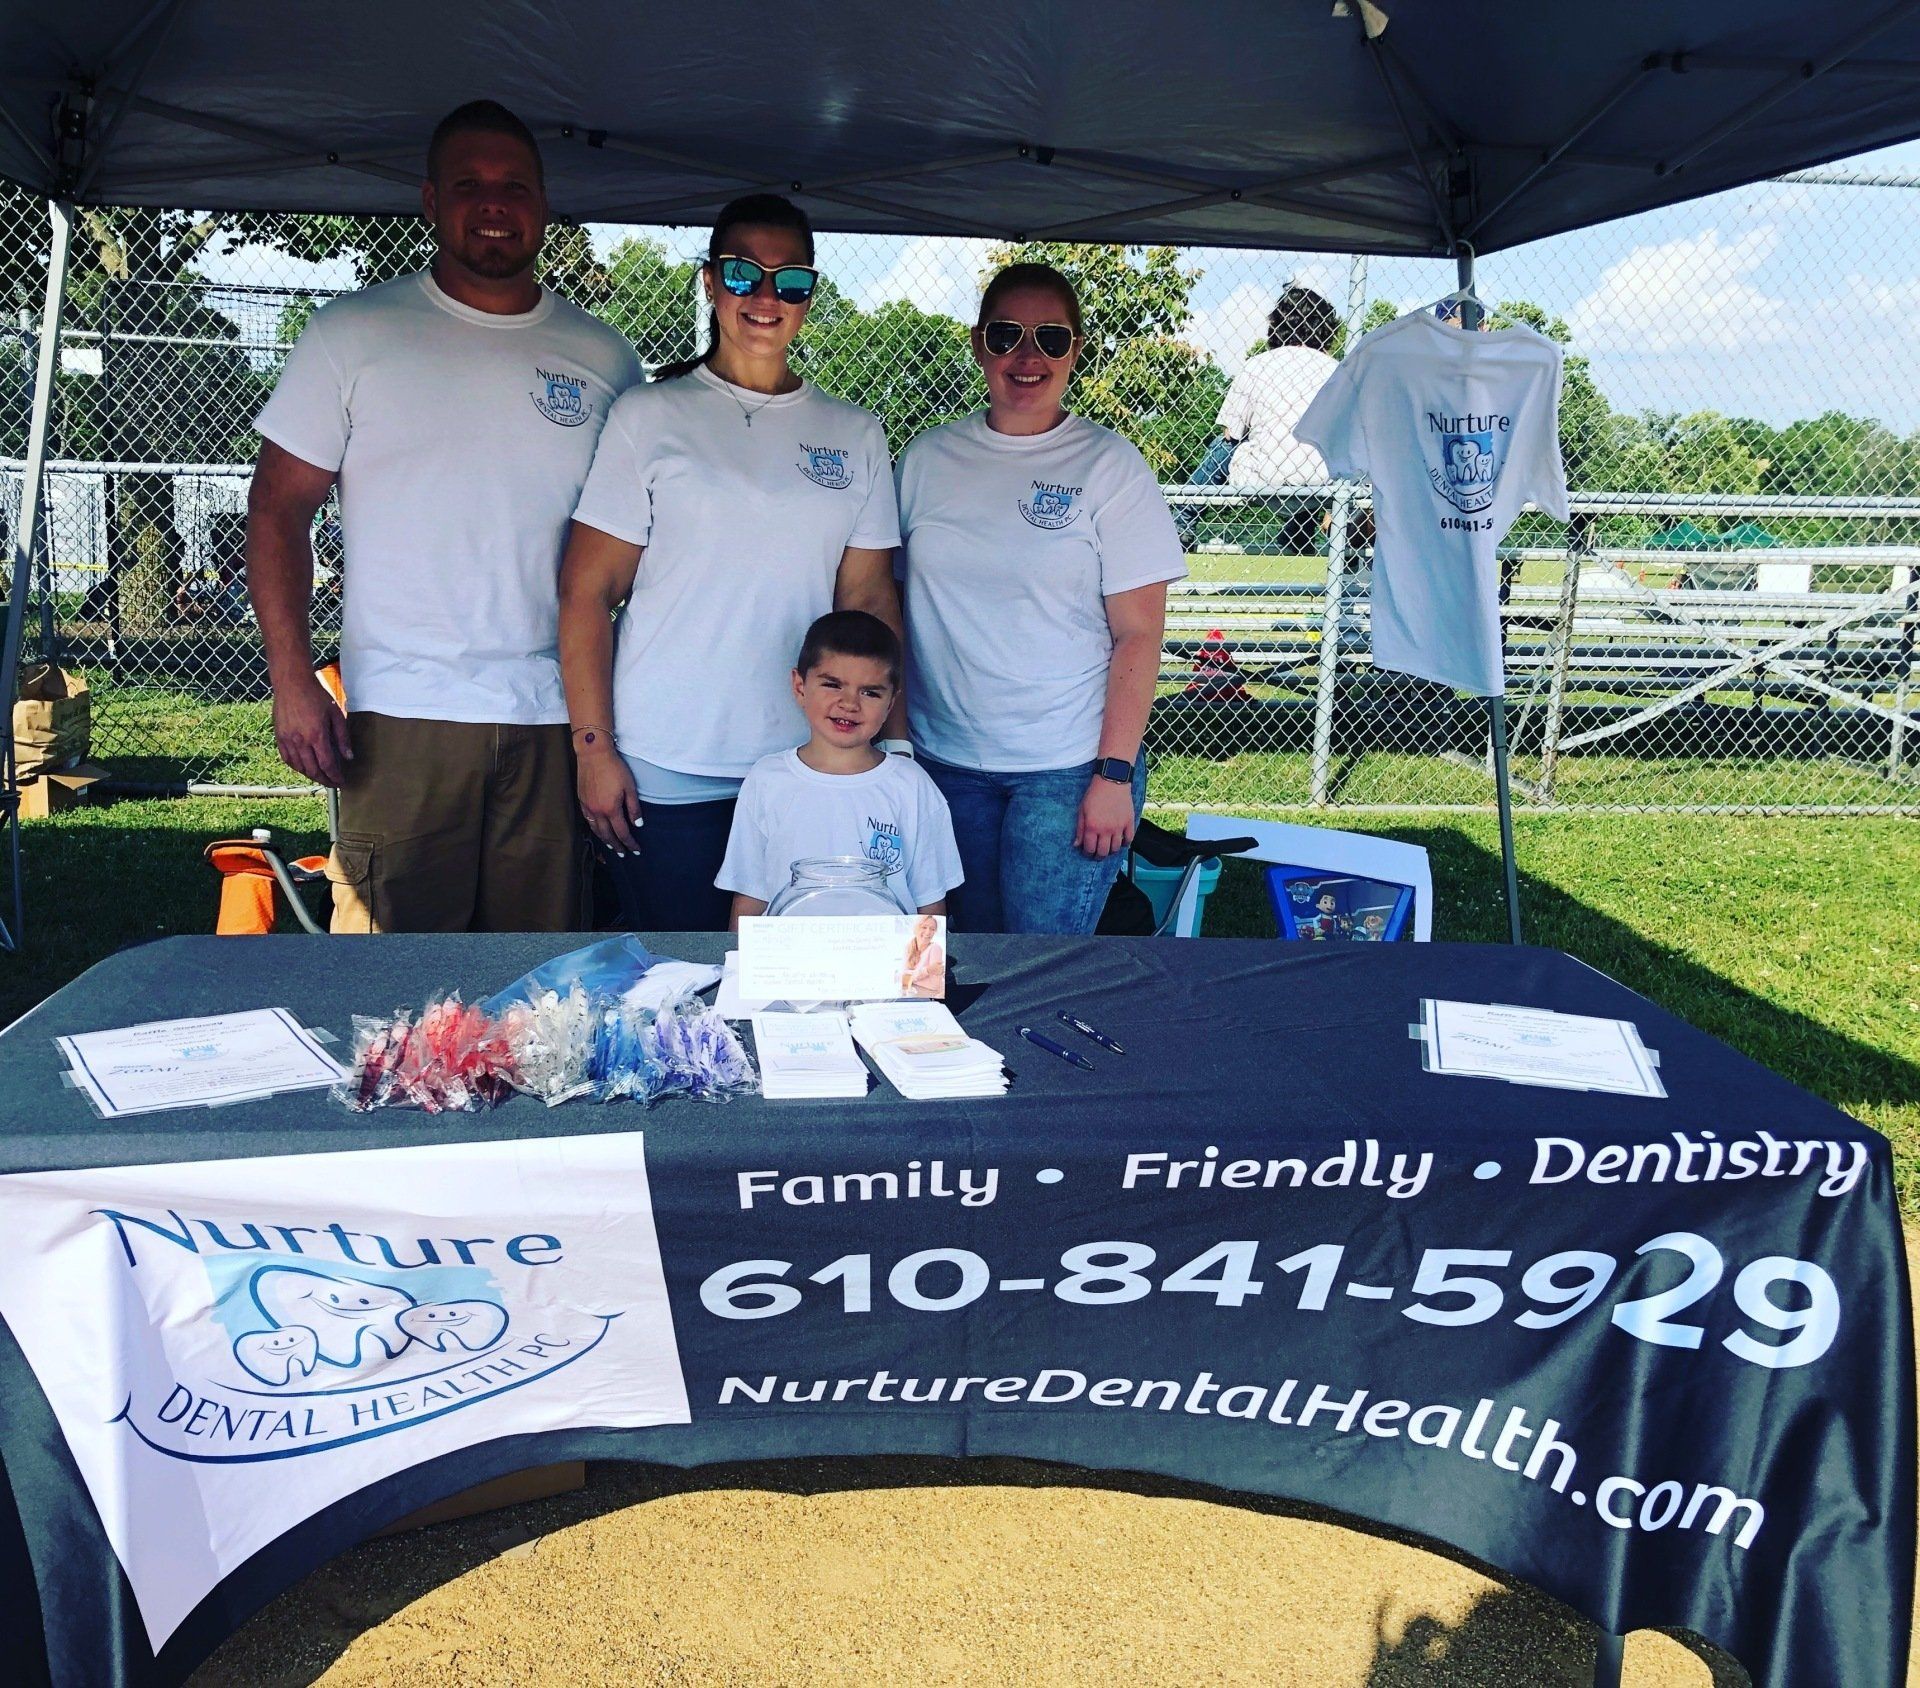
<point>1497,721</point>
<point>1339,529</point>
<point>1470,314</point>
<point>1608,1657</point>
<point>26,535</point>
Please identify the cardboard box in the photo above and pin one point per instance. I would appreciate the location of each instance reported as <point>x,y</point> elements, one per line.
<point>52,721</point>
<point>62,789</point>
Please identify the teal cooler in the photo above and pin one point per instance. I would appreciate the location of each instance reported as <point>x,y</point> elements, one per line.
<point>1162,885</point>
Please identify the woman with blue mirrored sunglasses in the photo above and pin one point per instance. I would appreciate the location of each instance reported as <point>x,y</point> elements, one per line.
<point>730,503</point>
<point>793,284</point>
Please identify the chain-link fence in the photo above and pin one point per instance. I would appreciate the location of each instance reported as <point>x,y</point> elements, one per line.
<point>1728,623</point>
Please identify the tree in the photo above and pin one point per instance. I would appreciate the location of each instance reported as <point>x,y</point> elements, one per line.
<point>650,299</point>
<point>1706,453</point>
<point>913,368</point>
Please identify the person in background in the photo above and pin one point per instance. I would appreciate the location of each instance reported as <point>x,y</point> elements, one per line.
<point>1256,448</point>
<point>729,505</point>
<point>837,795</point>
<point>457,412</point>
<point>1037,554</point>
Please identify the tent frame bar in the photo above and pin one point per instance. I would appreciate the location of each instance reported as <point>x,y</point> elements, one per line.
<point>1557,152</point>
<point>168,14</point>
<point>1379,164</point>
<point>27,543</point>
<point>1378,52</point>
<point>1264,196</point>
<point>1771,97</point>
<point>1896,70</point>
<point>274,146</point>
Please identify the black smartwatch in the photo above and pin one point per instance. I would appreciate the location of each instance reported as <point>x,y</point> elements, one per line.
<point>1114,768</point>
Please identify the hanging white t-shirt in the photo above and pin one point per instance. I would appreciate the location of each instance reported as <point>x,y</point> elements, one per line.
<point>1457,431</point>
<point>1262,407</point>
<point>893,814</point>
<point>1014,542</point>
<point>461,439</point>
<point>744,504</point>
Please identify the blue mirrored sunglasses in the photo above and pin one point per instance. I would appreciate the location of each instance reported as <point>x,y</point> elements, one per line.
<point>793,284</point>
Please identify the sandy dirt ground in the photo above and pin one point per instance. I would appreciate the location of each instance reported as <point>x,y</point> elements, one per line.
<point>918,1571</point>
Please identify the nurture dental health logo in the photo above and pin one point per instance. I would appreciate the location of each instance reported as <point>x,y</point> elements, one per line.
<point>826,465</point>
<point>1050,505</point>
<point>884,844</point>
<point>282,1340</point>
<point>1472,449</point>
<point>562,399</point>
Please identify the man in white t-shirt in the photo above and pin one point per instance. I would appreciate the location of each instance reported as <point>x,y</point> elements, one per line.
<point>837,795</point>
<point>457,410</point>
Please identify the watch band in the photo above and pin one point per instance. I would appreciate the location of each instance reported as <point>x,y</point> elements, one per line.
<point>894,747</point>
<point>1114,768</point>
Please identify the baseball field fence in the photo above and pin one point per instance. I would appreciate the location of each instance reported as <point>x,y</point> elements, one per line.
<point>1727,624</point>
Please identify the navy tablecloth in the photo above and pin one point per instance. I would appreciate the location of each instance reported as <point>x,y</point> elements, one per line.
<point>1368,1327</point>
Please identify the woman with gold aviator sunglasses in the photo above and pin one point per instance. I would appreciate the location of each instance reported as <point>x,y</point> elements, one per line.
<point>1037,555</point>
<point>730,503</point>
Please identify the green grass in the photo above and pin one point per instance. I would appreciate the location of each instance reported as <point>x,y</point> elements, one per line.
<point>1795,939</point>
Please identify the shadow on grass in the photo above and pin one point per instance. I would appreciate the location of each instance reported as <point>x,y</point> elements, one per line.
<point>1470,907</point>
<point>97,880</point>
<point>1511,1635</point>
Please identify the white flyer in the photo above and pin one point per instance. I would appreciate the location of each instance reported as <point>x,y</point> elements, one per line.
<point>191,1063</point>
<point>1537,1046</point>
<point>844,958</point>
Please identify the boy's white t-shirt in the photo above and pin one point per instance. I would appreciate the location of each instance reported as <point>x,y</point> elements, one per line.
<point>893,814</point>
<point>1262,407</point>
<point>1013,544</point>
<point>1457,431</point>
<point>744,524</point>
<point>461,439</point>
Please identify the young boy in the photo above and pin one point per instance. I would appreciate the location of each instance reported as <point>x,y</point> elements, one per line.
<point>837,795</point>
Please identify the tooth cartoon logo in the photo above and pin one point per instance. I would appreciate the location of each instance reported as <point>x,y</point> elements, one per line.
<point>563,399</point>
<point>1472,446</point>
<point>315,1319</point>
<point>1050,506</point>
<point>827,465</point>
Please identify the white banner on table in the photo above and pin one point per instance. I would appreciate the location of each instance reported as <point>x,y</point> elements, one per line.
<point>231,1346</point>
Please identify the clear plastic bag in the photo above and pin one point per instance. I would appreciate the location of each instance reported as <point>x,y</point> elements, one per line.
<point>451,1058</point>
<point>609,969</point>
<point>702,1053</point>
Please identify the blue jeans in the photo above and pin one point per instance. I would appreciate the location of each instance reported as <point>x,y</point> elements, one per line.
<point>1212,471</point>
<point>1015,833</point>
<point>668,886</point>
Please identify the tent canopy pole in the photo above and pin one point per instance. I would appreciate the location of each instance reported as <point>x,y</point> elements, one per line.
<point>26,533</point>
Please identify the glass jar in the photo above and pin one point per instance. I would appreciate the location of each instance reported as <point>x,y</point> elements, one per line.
<point>839,885</point>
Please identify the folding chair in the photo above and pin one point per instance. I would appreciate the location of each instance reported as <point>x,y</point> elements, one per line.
<point>250,868</point>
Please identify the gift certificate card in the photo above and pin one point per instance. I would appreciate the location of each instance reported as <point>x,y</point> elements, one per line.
<point>845,958</point>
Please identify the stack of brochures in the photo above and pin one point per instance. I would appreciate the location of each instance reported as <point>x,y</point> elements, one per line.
<point>807,1055</point>
<point>923,1053</point>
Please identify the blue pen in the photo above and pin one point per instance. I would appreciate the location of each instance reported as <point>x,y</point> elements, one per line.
<point>1086,1030</point>
<point>1053,1048</point>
